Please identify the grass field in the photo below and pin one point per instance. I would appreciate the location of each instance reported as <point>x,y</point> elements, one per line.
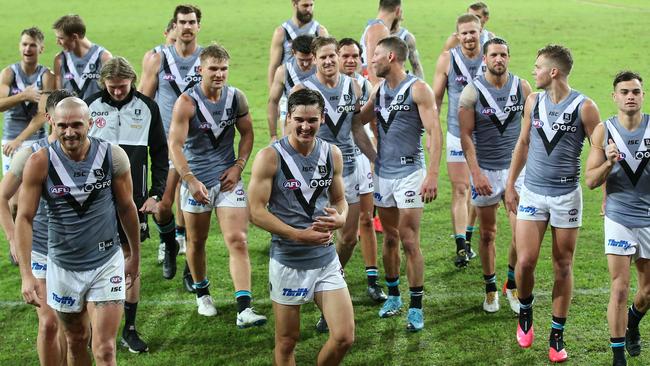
<point>605,36</point>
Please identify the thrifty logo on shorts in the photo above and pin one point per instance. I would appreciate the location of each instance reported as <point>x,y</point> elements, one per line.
<point>531,210</point>
<point>39,266</point>
<point>456,153</point>
<point>619,244</point>
<point>63,300</point>
<point>296,293</point>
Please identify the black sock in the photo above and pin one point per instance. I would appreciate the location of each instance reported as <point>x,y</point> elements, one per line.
<point>416,297</point>
<point>243,298</point>
<point>460,242</point>
<point>490,283</point>
<point>372,275</point>
<point>393,285</point>
<point>556,340</point>
<point>468,233</point>
<point>510,283</point>
<point>167,233</point>
<point>130,309</point>
<point>202,288</point>
<point>180,230</point>
<point>634,316</point>
<point>186,270</point>
<point>526,313</point>
<point>618,347</point>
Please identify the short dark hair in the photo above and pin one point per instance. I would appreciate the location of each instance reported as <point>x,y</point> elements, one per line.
<point>302,43</point>
<point>395,45</point>
<point>626,75</point>
<point>389,5</point>
<point>480,6</point>
<point>320,42</point>
<point>35,33</point>
<point>187,9</point>
<point>70,24</point>
<point>495,40</point>
<point>349,42</point>
<point>170,25</point>
<point>55,97</point>
<point>216,51</point>
<point>559,55</point>
<point>305,97</point>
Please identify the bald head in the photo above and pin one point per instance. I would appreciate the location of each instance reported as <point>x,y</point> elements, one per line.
<point>72,105</point>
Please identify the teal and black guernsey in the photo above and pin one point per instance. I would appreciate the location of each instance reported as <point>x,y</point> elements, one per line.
<point>340,104</point>
<point>556,139</point>
<point>497,121</point>
<point>209,148</point>
<point>299,194</point>
<point>399,127</point>
<point>176,75</point>
<point>462,70</point>
<point>82,226</point>
<point>40,221</point>
<point>18,117</point>
<point>81,74</point>
<point>628,184</point>
<point>294,75</point>
<point>291,31</point>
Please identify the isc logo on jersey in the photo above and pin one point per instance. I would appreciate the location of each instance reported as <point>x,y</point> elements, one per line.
<point>59,190</point>
<point>291,184</point>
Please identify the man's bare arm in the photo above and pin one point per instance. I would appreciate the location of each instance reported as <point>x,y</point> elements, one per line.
<point>275,54</point>
<point>275,94</point>
<point>149,80</point>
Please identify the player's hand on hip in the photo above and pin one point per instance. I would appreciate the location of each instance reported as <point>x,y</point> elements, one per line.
<point>482,185</point>
<point>512,199</point>
<point>32,291</point>
<point>332,221</point>
<point>429,189</point>
<point>229,178</point>
<point>198,191</point>
<point>11,147</point>
<point>611,152</point>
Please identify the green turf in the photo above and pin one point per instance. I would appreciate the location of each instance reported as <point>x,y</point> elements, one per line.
<point>605,36</point>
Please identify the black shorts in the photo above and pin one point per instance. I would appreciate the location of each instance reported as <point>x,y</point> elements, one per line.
<point>144,229</point>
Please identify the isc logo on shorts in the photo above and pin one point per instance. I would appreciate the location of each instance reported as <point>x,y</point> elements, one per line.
<point>295,293</point>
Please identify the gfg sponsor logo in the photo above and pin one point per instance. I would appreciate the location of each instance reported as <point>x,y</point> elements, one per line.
<point>89,187</point>
<point>345,108</point>
<point>228,122</point>
<point>315,183</point>
<point>513,108</point>
<point>530,210</point>
<point>564,128</point>
<point>640,155</point>
<point>624,244</point>
<point>291,184</point>
<point>398,107</point>
<point>192,78</point>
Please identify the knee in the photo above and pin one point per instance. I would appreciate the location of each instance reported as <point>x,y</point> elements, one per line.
<point>48,327</point>
<point>344,341</point>
<point>78,339</point>
<point>164,211</point>
<point>620,291</point>
<point>525,263</point>
<point>237,242</point>
<point>365,219</point>
<point>348,240</point>
<point>104,351</point>
<point>459,189</point>
<point>391,237</point>
<point>487,236</point>
<point>563,269</point>
<point>285,344</point>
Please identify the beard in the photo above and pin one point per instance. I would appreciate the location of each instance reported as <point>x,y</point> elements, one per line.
<point>304,17</point>
<point>496,72</point>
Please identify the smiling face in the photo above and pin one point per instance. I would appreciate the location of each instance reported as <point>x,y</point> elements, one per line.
<point>327,60</point>
<point>468,35</point>
<point>349,59</point>
<point>303,122</point>
<point>29,49</point>
<point>71,124</point>
<point>214,72</point>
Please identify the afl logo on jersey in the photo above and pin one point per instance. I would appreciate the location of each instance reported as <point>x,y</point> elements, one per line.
<point>291,184</point>
<point>100,122</point>
<point>14,91</point>
<point>538,123</point>
<point>59,190</point>
<point>460,79</point>
<point>169,77</point>
<point>68,76</point>
<point>205,126</point>
<point>621,156</point>
<point>488,111</point>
